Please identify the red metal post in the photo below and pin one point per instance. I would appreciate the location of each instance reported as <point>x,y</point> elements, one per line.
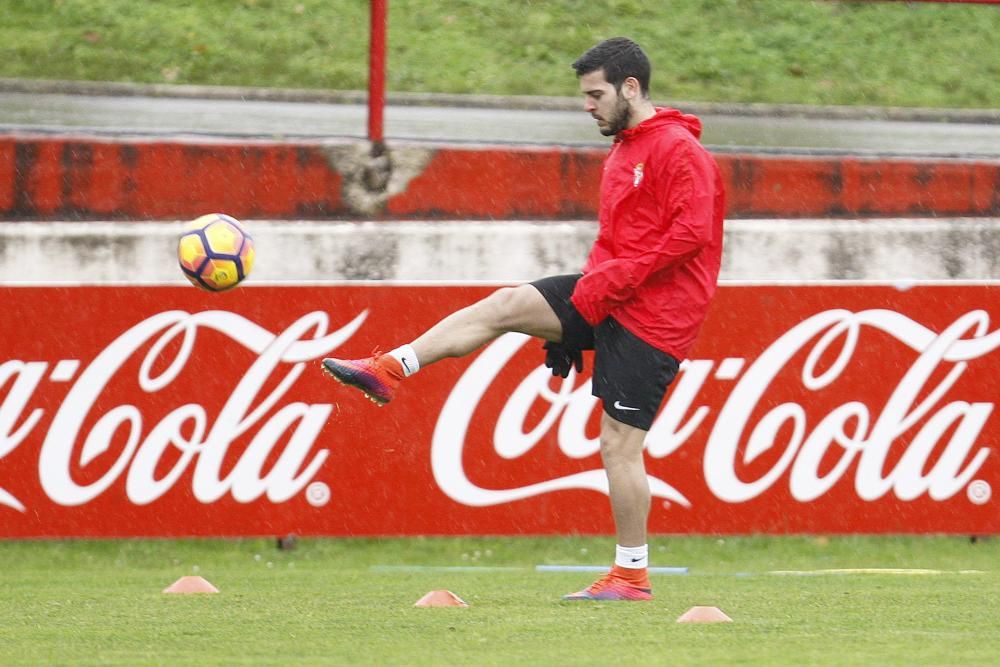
<point>376,72</point>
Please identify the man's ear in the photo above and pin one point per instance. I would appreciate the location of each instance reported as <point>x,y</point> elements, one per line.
<point>631,89</point>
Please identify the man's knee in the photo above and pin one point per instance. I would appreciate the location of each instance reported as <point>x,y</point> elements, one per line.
<point>620,443</point>
<point>508,307</point>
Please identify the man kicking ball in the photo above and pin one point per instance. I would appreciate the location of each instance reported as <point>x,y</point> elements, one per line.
<point>639,303</point>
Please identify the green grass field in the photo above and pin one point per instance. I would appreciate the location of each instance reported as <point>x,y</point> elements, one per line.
<point>335,602</point>
<point>787,51</point>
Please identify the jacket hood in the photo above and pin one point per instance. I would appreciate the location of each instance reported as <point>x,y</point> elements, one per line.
<point>664,116</point>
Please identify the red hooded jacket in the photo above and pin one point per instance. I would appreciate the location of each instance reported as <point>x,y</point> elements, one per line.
<point>655,264</point>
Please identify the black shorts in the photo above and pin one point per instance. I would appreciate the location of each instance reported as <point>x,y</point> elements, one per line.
<point>630,375</point>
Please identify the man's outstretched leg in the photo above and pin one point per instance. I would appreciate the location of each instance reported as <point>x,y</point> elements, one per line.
<point>522,309</point>
<point>621,451</point>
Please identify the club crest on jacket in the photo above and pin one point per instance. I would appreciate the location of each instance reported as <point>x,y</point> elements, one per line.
<point>637,175</point>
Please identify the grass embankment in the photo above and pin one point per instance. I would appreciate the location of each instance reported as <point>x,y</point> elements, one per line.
<point>777,51</point>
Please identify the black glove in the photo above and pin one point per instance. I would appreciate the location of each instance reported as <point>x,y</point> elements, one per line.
<point>561,358</point>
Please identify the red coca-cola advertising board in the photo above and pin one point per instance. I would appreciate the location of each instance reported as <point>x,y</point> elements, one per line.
<point>165,411</point>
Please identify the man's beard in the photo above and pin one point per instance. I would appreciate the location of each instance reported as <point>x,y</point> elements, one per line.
<point>619,118</point>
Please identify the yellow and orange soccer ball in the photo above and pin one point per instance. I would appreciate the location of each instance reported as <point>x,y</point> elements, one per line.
<point>215,252</point>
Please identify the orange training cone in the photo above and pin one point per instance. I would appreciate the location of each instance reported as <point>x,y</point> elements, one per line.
<point>191,584</point>
<point>440,599</point>
<point>704,615</point>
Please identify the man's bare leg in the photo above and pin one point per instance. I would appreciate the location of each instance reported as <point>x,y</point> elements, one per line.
<point>621,451</point>
<point>522,309</point>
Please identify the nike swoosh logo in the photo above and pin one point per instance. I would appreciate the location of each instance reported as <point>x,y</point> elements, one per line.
<point>619,406</point>
<point>405,365</point>
<point>636,560</point>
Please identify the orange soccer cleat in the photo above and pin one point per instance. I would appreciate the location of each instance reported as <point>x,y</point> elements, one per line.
<point>377,376</point>
<point>614,586</point>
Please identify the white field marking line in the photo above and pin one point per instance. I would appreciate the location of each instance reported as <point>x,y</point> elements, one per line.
<point>443,568</point>
<point>605,568</point>
<point>492,568</point>
<point>871,570</point>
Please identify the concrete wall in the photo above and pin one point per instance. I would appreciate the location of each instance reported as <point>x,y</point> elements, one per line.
<point>63,177</point>
<point>884,249</point>
<point>332,211</point>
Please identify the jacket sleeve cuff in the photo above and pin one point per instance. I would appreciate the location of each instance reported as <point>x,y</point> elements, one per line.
<point>591,313</point>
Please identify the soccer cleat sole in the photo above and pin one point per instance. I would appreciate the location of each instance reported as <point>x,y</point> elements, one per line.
<point>579,598</point>
<point>371,397</point>
<point>617,594</point>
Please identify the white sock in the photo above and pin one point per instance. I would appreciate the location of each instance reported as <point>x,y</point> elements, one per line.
<point>634,558</point>
<point>407,358</point>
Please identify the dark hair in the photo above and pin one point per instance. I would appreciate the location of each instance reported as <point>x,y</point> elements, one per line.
<point>620,58</point>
